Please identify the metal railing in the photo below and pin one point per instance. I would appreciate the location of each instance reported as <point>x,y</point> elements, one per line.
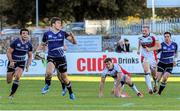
<point>160,26</point>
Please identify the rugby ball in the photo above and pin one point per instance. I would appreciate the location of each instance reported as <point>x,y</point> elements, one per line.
<point>39,56</point>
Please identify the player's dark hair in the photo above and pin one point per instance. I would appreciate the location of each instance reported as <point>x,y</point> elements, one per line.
<point>107,60</point>
<point>126,40</point>
<point>24,30</point>
<point>167,33</point>
<point>54,19</point>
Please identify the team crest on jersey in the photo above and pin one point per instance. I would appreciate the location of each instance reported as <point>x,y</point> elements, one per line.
<point>19,45</point>
<point>164,47</point>
<point>173,47</point>
<point>49,36</point>
<point>59,35</point>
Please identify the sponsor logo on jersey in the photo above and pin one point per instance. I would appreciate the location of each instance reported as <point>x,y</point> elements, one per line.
<point>164,47</point>
<point>19,45</point>
<point>50,36</point>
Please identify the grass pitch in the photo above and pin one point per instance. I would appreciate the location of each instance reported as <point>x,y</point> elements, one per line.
<point>29,97</point>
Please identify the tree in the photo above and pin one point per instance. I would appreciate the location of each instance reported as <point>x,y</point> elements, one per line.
<point>20,12</point>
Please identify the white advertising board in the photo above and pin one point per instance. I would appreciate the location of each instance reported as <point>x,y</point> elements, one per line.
<point>88,63</point>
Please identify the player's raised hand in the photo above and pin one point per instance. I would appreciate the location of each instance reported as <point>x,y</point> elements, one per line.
<point>73,38</point>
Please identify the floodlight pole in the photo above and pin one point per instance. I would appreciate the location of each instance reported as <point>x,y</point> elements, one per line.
<point>37,14</point>
<point>153,16</point>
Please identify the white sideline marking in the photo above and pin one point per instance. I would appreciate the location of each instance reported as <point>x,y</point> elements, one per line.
<point>100,105</point>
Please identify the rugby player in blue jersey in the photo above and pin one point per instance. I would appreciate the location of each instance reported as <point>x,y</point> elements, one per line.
<point>54,40</point>
<point>168,58</point>
<point>113,70</point>
<point>16,55</point>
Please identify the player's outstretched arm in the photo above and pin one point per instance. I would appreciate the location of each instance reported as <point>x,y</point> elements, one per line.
<point>175,56</point>
<point>9,56</point>
<point>101,86</point>
<point>118,86</point>
<point>29,61</point>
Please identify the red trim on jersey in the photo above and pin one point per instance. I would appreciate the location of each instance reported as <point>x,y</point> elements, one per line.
<point>125,72</point>
<point>154,41</point>
<point>155,55</point>
<point>152,44</point>
<point>142,59</point>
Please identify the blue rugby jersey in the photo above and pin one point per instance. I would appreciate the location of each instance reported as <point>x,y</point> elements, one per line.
<point>55,42</point>
<point>20,49</point>
<point>168,52</point>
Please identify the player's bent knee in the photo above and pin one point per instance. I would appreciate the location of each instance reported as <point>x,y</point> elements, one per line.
<point>64,77</point>
<point>18,77</point>
<point>18,73</point>
<point>66,80</point>
<point>48,76</point>
<point>48,72</point>
<point>164,80</point>
<point>19,70</point>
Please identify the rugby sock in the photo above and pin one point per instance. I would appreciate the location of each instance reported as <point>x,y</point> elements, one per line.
<point>14,87</point>
<point>48,82</point>
<point>63,85</point>
<point>161,88</point>
<point>148,81</point>
<point>134,88</point>
<point>69,87</point>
